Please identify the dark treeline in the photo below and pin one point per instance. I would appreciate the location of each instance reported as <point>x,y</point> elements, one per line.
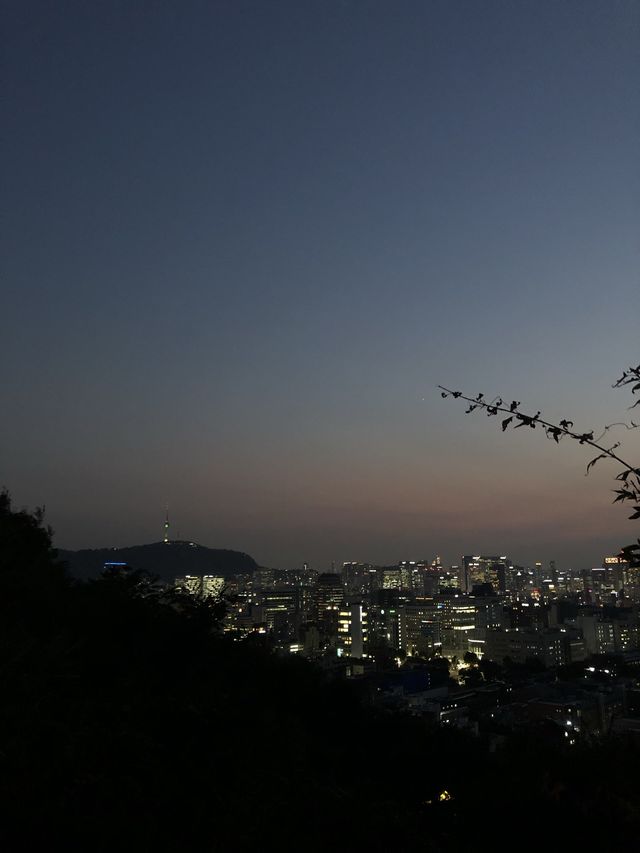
<point>129,722</point>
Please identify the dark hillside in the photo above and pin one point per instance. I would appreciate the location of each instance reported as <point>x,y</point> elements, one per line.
<point>167,560</point>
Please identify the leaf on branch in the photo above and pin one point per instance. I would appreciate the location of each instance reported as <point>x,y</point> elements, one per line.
<point>443,394</point>
<point>586,436</point>
<point>457,394</point>
<point>631,553</point>
<point>526,420</point>
<point>623,495</point>
<point>554,433</point>
<point>470,409</point>
<point>566,424</point>
<point>514,406</point>
<point>636,514</point>
<point>632,374</point>
<point>593,462</point>
<point>505,423</point>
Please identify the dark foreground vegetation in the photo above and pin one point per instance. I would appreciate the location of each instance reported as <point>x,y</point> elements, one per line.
<point>128,722</point>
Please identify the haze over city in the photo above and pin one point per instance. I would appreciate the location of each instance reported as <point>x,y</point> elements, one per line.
<point>246,244</point>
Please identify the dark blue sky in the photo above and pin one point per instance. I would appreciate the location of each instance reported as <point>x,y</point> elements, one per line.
<point>244,241</point>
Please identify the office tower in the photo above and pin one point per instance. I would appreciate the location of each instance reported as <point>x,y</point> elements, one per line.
<point>352,631</point>
<point>478,570</point>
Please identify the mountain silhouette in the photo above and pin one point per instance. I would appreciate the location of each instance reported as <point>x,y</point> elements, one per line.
<point>167,560</point>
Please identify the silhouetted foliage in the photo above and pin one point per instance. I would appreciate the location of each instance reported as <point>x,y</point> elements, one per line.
<point>491,670</point>
<point>470,676</point>
<point>628,478</point>
<point>127,721</point>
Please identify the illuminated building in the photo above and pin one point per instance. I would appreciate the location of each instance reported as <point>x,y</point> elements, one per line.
<point>413,574</point>
<point>442,581</point>
<point>352,631</point>
<point>329,591</point>
<point>264,578</point>
<point>207,586</point>
<point>419,632</point>
<point>626,634</point>
<point>458,622</point>
<point>632,587</point>
<point>550,646</point>
<point>525,615</point>
<point>328,624</point>
<point>190,583</point>
<point>614,635</point>
<point>617,570</point>
<point>477,570</point>
<point>599,636</point>
<point>518,582</point>
<point>212,586</point>
<point>359,578</point>
<point>395,577</point>
<point>384,624</point>
<point>278,607</point>
<point>489,613</point>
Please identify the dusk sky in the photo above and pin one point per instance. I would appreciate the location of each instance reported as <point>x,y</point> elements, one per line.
<point>243,242</point>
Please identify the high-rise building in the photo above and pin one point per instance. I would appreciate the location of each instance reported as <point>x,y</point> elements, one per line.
<point>419,632</point>
<point>357,577</point>
<point>329,591</point>
<point>458,622</point>
<point>478,570</point>
<point>285,601</point>
<point>617,570</point>
<point>384,619</point>
<point>352,631</point>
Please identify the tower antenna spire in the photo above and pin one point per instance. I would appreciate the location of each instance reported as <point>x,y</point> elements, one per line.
<point>166,525</point>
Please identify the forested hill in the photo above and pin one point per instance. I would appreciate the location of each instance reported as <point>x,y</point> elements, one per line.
<point>167,560</point>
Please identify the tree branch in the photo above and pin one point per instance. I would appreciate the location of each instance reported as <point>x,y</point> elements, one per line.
<point>558,431</point>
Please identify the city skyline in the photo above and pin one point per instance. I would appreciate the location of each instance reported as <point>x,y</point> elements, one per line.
<point>247,242</point>
<point>172,534</point>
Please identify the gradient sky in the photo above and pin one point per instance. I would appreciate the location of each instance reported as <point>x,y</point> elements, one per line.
<point>244,241</point>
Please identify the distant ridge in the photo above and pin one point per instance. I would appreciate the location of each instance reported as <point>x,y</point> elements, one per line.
<point>167,560</point>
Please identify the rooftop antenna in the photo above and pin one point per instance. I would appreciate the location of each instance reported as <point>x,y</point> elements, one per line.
<point>166,526</point>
